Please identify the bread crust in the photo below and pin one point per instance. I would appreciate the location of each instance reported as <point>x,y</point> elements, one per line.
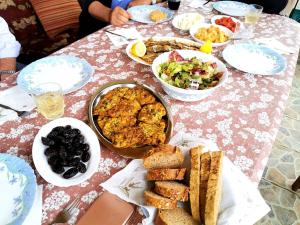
<point>173,192</point>
<point>195,182</point>
<point>214,184</point>
<point>160,203</point>
<point>166,174</point>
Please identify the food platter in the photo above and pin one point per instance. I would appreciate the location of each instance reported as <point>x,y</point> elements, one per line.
<point>141,13</point>
<point>129,152</point>
<point>257,59</point>
<point>162,41</point>
<point>232,8</point>
<point>240,24</point>
<point>70,72</point>
<point>184,21</point>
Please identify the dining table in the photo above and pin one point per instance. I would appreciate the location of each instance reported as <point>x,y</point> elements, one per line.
<point>242,117</point>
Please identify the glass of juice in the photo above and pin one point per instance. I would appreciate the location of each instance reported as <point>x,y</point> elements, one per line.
<point>252,17</point>
<point>49,100</point>
<point>173,4</point>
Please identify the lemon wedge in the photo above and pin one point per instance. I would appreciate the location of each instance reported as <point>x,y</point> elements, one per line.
<point>139,49</point>
<point>207,47</point>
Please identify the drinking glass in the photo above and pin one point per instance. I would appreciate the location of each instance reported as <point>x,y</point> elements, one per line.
<point>49,100</point>
<point>173,4</point>
<point>252,16</point>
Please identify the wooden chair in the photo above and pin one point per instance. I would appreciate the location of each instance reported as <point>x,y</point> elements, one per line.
<point>296,184</point>
<point>289,8</point>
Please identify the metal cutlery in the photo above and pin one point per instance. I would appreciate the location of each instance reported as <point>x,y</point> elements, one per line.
<point>207,2</point>
<point>129,39</point>
<point>20,113</point>
<point>68,212</point>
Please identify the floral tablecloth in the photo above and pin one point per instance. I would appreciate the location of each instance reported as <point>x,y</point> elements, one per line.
<point>242,117</point>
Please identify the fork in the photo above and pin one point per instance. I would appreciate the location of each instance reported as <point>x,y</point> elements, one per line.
<point>127,38</point>
<point>20,113</point>
<point>67,213</point>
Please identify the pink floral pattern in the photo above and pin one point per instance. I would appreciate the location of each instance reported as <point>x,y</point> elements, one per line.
<point>242,117</point>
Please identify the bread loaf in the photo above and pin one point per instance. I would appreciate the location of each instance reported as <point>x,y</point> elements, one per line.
<point>166,174</point>
<point>176,216</point>
<point>172,190</point>
<point>157,201</point>
<point>163,156</point>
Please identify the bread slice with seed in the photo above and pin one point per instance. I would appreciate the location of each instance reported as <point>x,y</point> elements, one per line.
<point>176,216</point>
<point>158,201</point>
<point>195,154</point>
<point>204,176</point>
<point>214,186</point>
<point>166,174</point>
<point>172,190</point>
<point>163,156</point>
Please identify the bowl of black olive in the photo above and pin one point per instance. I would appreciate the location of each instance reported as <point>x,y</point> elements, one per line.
<point>66,152</point>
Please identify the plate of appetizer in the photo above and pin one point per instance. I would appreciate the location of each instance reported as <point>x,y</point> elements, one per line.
<point>189,75</point>
<point>150,14</point>
<point>218,35</point>
<point>186,20</point>
<point>158,45</point>
<point>66,152</point>
<point>130,118</point>
<point>229,22</point>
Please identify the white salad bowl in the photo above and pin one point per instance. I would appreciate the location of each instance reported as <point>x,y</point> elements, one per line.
<point>185,21</point>
<point>189,95</point>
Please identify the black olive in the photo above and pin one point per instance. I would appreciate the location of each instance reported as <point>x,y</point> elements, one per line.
<point>76,143</point>
<point>58,129</point>
<point>58,169</point>
<point>77,131</point>
<point>78,152</point>
<point>62,153</point>
<point>85,147</point>
<point>70,173</point>
<point>47,141</point>
<point>80,138</point>
<point>81,167</point>
<point>50,152</point>
<point>52,135</point>
<point>54,160</point>
<point>85,156</point>
<point>74,161</point>
<point>68,127</point>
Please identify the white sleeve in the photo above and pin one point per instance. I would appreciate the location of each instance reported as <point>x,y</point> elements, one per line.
<point>9,46</point>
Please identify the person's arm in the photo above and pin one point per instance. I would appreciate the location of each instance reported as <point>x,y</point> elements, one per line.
<point>117,17</point>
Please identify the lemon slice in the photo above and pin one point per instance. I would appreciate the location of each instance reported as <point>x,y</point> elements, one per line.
<point>207,47</point>
<point>139,49</point>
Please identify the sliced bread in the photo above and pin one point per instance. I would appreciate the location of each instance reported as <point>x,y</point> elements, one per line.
<point>204,176</point>
<point>157,201</point>
<point>166,174</point>
<point>176,216</point>
<point>214,186</point>
<point>163,156</point>
<point>172,190</point>
<point>195,154</point>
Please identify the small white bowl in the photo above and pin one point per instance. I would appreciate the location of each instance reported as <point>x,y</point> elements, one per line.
<point>185,94</point>
<point>194,29</point>
<point>40,160</point>
<point>179,21</point>
<point>216,17</point>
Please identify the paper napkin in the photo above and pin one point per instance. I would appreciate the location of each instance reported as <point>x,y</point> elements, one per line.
<point>241,201</point>
<point>35,214</point>
<point>200,4</point>
<point>126,32</point>
<point>15,98</point>
<point>276,45</point>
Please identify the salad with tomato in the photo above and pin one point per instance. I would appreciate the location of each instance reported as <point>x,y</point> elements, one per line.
<point>228,22</point>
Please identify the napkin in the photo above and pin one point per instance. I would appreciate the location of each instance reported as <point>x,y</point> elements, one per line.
<point>200,4</point>
<point>35,214</point>
<point>126,32</point>
<point>17,99</point>
<point>276,45</point>
<point>241,201</point>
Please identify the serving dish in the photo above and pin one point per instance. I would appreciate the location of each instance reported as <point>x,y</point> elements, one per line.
<point>256,59</point>
<point>141,13</point>
<point>17,189</point>
<point>232,8</point>
<point>40,160</point>
<point>162,42</point>
<point>240,26</point>
<point>194,29</point>
<point>70,72</point>
<point>131,152</point>
<point>184,21</point>
<point>189,95</point>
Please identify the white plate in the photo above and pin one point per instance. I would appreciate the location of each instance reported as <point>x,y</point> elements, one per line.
<point>139,60</point>
<point>180,21</point>
<point>196,27</point>
<point>232,8</point>
<point>184,94</point>
<point>40,160</point>
<point>214,18</point>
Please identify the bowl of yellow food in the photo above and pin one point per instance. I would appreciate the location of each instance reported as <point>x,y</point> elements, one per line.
<point>218,35</point>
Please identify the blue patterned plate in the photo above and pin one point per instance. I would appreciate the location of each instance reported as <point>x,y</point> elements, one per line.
<point>70,72</point>
<point>141,13</point>
<point>254,58</point>
<point>231,8</point>
<point>17,189</point>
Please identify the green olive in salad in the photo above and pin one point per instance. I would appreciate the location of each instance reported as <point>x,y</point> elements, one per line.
<point>180,72</point>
